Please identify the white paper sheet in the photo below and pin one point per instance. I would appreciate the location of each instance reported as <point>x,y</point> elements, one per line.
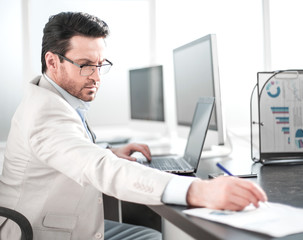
<point>273,219</point>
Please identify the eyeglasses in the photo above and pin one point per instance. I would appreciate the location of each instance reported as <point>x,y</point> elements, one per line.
<point>87,69</point>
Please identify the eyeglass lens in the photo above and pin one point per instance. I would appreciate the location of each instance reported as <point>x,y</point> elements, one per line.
<point>89,70</point>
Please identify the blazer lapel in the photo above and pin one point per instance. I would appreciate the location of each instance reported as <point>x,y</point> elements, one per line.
<point>42,82</point>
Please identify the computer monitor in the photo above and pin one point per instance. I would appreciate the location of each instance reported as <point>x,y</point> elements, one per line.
<point>196,74</point>
<point>147,101</point>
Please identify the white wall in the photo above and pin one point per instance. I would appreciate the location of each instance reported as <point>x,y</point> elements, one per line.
<point>286,34</point>
<point>237,24</point>
<point>11,68</point>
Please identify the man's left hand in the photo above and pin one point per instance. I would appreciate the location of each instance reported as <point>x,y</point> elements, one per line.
<point>127,150</point>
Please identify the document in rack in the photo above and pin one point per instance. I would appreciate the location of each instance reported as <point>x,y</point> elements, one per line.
<point>273,219</point>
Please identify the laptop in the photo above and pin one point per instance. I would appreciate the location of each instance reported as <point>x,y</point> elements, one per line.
<point>189,162</point>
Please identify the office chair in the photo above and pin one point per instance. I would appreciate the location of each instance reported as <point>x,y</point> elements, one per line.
<point>21,220</point>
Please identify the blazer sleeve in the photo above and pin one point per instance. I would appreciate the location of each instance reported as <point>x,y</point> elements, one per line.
<point>58,139</point>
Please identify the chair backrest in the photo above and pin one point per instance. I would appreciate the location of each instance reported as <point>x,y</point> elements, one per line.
<point>21,220</point>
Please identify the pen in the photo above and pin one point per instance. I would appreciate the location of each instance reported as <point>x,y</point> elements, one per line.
<point>224,169</point>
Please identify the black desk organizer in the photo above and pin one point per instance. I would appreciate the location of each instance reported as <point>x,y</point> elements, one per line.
<point>276,110</point>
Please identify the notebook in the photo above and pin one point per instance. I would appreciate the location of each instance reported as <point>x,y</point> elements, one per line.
<point>189,162</point>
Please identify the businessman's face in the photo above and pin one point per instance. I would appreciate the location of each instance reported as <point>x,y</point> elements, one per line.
<point>83,51</point>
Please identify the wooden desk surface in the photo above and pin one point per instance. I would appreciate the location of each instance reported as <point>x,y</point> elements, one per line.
<point>283,184</point>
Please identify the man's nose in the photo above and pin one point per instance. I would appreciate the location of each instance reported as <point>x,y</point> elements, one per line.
<point>96,76</point>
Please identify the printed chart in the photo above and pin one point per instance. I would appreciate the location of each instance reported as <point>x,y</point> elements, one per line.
<point>281,111</point>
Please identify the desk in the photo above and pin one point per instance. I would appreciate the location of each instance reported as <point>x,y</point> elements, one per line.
<point>283,184</point>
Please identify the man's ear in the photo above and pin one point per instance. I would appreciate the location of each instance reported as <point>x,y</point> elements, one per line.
<point>51,61</point>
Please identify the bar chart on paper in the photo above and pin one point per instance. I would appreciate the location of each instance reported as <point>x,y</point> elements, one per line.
<point>299,138</point>
<point>281,114</point>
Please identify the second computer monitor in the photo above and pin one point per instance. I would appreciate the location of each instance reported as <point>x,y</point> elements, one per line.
<point>196,74</point>
<point>147,101</point>
<point>146,93</point>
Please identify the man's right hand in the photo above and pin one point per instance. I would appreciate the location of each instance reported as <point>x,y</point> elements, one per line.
<point>224,192</point>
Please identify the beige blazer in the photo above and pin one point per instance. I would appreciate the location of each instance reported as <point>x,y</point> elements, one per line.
<point>55,176</point>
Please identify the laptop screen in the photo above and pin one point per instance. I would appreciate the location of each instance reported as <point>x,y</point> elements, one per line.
<point>198,130</point>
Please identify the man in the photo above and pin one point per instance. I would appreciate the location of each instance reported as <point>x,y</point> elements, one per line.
<point>55,175</point>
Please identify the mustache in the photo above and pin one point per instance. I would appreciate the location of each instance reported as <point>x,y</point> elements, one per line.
<point>92,84</point>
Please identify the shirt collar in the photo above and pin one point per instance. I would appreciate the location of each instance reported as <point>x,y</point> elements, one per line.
<point>76,103</point>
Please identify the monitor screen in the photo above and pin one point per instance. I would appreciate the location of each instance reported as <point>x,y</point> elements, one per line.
<point>196,74</point>
<point>146,94</point>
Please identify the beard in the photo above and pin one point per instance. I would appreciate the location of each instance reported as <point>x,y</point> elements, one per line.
<point>84,88</point>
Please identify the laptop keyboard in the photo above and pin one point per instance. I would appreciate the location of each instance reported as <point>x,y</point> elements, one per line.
<point>166,164</point>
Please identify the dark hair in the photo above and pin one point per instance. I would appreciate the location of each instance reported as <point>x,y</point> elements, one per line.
<point>63,26</point>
